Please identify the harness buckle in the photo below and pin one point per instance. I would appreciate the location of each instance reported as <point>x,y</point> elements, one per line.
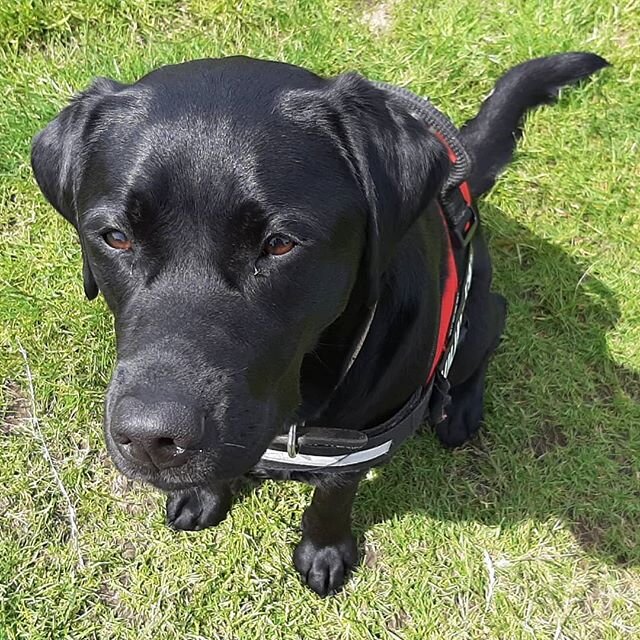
<point>460,213</point>
<point>464,230</point>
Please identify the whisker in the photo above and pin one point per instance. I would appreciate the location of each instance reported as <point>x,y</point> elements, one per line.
<point>234,444</point>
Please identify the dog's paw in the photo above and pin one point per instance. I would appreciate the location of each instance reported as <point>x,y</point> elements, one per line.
<point>197,508</point>
<point>460,425</point>
<point>324,568</point>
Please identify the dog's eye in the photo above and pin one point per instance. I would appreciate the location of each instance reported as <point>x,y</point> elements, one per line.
<point>278,245</point>
<point>117,240</point>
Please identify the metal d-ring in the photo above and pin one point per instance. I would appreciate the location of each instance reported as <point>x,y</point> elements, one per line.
<point>292,441</point>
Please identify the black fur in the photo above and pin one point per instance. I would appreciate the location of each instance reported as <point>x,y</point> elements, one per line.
<point>221,345</point>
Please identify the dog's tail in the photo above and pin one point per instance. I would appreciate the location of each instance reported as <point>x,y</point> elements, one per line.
<point>492,135</point>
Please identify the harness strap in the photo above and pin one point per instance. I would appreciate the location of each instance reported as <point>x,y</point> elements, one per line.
<point>447,303</point>
<point>374,445</point>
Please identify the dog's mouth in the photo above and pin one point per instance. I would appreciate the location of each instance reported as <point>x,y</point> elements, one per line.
<point>190,467</point>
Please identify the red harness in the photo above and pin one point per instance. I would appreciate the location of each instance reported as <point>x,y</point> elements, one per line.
<point>447,304</point>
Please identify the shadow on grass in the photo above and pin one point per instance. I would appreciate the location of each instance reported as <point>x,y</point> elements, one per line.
<point>560,440</point>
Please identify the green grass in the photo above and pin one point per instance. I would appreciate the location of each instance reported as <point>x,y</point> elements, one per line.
<point>547,501</point>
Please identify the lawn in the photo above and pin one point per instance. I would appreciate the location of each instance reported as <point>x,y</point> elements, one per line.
<point>531,531</point>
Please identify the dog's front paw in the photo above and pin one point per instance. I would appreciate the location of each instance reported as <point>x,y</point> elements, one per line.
<point>457,429</point>
<point>465,415</point>
<point>324,568</point>
<point>198,508</point>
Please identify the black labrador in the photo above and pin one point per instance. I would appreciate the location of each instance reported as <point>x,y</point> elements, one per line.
<point>239,216</point>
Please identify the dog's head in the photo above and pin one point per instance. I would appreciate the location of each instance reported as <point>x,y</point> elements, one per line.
<point>230,211</point>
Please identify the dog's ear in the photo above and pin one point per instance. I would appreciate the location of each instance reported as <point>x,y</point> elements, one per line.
<point>399,163</point>
<point>58,155</point>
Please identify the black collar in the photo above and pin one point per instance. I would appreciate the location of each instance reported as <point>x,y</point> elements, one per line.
<point>332,449</point>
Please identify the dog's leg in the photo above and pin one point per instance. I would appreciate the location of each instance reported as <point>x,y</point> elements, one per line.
<point>466,410</point>
<point>197,508</point>
<point>328,550</point>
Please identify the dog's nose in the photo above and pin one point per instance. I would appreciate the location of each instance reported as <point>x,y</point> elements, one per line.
<point>164,433</point>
